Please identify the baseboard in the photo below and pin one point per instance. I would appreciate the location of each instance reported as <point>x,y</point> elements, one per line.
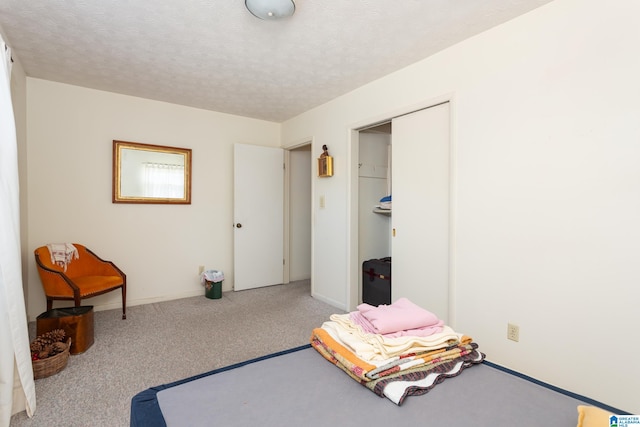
<point>577,396</point>
<point>142,301</point>
<point>329,301</point>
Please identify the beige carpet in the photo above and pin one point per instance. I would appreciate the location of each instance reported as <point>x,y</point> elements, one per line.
<point>168,341</point>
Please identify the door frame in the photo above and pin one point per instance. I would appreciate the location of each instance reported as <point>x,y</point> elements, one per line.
<point>352,288</point>
<point>287,209</point>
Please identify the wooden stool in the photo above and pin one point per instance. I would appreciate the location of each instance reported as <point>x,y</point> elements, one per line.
<point>77,323</point>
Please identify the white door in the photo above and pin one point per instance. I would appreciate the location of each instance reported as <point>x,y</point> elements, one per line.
<point>258,196</point>
<point>420,218</point>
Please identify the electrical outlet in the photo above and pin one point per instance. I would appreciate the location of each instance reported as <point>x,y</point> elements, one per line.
<point>513,332</point>
<point>201,269</point>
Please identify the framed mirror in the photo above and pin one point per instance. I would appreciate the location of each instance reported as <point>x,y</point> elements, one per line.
<point>146,173</point>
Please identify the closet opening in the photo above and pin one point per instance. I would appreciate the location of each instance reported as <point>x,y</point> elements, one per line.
<point>374,211</point>
<point>407,157</point>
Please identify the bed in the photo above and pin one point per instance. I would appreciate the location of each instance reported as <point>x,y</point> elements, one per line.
<point>388,358</point>
<point>298,387</point>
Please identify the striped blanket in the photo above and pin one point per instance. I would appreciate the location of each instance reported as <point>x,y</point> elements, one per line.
<point>399,377</point>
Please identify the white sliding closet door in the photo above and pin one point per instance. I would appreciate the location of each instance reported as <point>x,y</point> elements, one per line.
<point>420,219</point>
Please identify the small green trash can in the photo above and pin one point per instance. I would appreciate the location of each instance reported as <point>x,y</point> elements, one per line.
<point>213,290</point>
<point>212,281</point>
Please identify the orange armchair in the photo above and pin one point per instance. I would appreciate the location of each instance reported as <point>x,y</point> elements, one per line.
<point>85,277</point>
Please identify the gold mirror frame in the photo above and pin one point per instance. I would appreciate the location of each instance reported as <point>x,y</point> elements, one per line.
<point>131,183</point>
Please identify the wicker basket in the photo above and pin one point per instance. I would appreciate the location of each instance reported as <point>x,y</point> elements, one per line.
<point>51,365</point>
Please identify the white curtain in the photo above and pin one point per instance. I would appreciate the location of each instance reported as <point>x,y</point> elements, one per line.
<point>163,180</point>
<point>14,336</point>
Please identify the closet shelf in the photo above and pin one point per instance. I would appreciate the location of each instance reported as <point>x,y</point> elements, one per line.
<point>382,211</point>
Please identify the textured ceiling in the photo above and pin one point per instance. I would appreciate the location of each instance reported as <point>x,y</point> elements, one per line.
<point>215,55</point>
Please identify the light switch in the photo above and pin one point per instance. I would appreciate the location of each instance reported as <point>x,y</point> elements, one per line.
<point>322,201</point>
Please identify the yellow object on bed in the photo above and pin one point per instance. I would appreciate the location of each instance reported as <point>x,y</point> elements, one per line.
<point>592,416</point>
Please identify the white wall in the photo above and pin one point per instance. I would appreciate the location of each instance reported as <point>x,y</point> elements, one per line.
<point>159,247</point>
<point>546,190</point>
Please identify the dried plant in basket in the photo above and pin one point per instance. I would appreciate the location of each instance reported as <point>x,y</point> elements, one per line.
<point>49,353</point>
<point>48,344</point>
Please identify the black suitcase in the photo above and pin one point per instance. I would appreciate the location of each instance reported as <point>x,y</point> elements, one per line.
<point>376,281</point>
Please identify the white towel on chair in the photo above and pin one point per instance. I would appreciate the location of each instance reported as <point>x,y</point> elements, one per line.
<point>62,254</point>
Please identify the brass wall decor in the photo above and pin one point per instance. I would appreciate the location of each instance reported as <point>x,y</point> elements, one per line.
<point>325,163</point>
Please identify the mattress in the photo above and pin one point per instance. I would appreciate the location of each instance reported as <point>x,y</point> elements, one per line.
<point>299,387</point>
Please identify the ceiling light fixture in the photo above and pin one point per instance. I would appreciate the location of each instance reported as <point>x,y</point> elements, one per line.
<point>270,9</point>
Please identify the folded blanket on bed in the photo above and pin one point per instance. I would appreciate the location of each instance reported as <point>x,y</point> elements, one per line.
<point>364,370</point>
<point>422,359</point>
<point>362,322</point>
<point>418,373</point>
<point>423,380</point>
<point>340,356</point>
<point>402,315</point>
<point>372,347</point>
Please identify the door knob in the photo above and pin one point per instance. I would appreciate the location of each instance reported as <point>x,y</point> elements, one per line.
<point>238,225</point>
